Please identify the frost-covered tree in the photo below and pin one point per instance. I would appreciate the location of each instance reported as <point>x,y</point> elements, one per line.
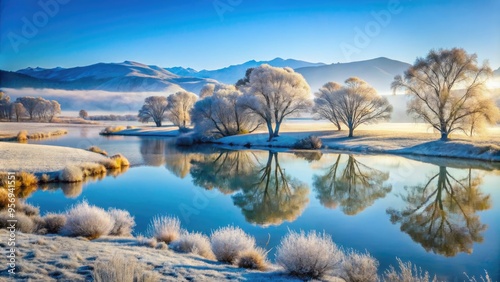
<point>29,104</point>
<point>47,110</point>
<point>179,107</point>
<point>207,90</point>
<point>448,91</point>
<point>245,80</point>
<point>219,114</point>
<point>353,104</point>
<point>5,105</point>
<point>325,105</point>
<point>83,114</point>
<point>18,110</point>
<point>274,94</point>
<point>154,108</point>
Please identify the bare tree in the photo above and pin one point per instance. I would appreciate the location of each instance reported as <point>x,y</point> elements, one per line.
<point>325,106</point>
<point>47,110</point>
<point>179,107</point>
<point>29,104</point>
<point>83,114</point>
<point>353,104</point>
<point>154,108</point>
<point>219,114</point>
<point>5,105</point>
<point>448,91</point>
<point>18,110</point>
<point>275,93</point>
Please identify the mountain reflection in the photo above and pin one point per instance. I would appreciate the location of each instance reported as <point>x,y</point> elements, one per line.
<point>441,214</point>
<point>351,185</point>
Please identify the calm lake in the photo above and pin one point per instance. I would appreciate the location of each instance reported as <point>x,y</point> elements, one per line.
<point>441,214</point>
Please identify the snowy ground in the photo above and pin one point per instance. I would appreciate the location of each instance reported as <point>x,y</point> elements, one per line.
<point>56,258</point>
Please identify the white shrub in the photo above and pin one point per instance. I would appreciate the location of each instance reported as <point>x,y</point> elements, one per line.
<point>407,273</point>
<point>165,228</point>
<point>124,222</point>
<point>229,242</point>
<point>54,222</point>
<point>194,242</point>
<point>359,267</point>
<point>71,173</point>
<point>308,255</point>
<point>87,221</point>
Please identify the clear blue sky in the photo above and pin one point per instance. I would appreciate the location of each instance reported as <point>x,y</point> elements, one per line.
<point>210,34</point>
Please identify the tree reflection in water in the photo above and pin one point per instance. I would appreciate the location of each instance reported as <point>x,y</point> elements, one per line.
<point>351,185</point>
<point>441,214</point>
<point>275,197</point>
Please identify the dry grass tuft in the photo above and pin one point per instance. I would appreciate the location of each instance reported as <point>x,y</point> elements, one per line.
<point>124,222</point>
<point>92,169</point>
<point>22,136</point>
<point>194,242</point>
<point>121,269</point>
<point>359,267</point>
<point>148,242</point>
<point>253,259</point>
<point>309,255</point>
<point>228,243</point>
<point>71,173</point>
<point>120,160</point>
<point>98,150</point>
<point>87,221</point>
<point>112,129</point>
<point>54,222</point>
<point>165,228</point>
<point>407,272</point>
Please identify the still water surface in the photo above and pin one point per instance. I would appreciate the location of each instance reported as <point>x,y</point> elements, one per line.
<point>441,214</point>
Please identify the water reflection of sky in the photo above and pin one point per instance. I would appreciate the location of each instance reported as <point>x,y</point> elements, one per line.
<point>205,190</point>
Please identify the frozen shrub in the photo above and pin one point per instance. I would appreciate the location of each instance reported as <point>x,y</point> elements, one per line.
<point>71,173</point>
<point>359,267</point>
<point>111,129</point>
<point>24,223</point>
<point>148,242</point>
<point>27,209</point>
<point>87,221</point>
<point>407,273</point>
<point>308,255</point>
<point>54,222</point>
<point>228,243</point>
<point>122,269</point>
<point>98,150</point>
<point>124,222</point>
<point>120,160</point>
<point>253,259</point>
<point>92,169</point>
<point>195,243</point>
<point>165,228</point>
<point>22,136</point>
<point>310,142</point>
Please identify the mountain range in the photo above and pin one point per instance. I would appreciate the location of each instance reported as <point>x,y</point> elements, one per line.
<point>136,77</point>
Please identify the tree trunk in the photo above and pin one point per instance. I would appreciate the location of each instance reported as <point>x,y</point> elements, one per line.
<point>339,127</point>
<point>158,123</point>
<point>351,131</point>
<point>444,136</point>
<point>270,130</point>
<point>277,129</point>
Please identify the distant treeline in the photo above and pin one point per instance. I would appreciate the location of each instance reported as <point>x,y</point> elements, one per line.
<point>114,117</point>
<point>27,107</point>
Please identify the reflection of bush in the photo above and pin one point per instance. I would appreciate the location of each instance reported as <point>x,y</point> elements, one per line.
<point>275,197</point>
<point>351,185</point>
<point>443,219</point>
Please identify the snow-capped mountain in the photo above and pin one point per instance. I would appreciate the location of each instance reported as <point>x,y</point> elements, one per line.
<point>127,77</point>
<point>233,73</point>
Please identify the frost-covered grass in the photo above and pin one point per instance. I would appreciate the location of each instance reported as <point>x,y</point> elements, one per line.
<point>255,258</point>
<point>406,272</point>
<point>194,242</point>
<point>123,222</point>
<point>122,269</point>
<point>87,221</point>
<point>54,222</point>
<point>71,173</point>
<point>165,228</point>
<point>310,255</point>
<point>486,278</point>
<point>98,150</point>
<point>228,243</point>
<point>359,267</point>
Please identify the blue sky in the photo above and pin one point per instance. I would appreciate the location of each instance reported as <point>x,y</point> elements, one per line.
<point>210,34</point>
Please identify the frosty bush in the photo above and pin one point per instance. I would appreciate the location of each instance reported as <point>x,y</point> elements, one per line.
<point>194,242</point>
<point>71,173</point>
<point>87,221</point>
<point>310,142</point>
<point>407,273</point>
<point>54,222</point>
<point>228,243</point>
<point>255,258</point>
<point>124,222</point>
<point>308,255</point>
<point>359,267</point>
<point>165,228</point>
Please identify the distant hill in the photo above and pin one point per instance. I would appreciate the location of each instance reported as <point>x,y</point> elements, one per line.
<point>377,72</point>
<point>115,77</point>
<point>233,73</point>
